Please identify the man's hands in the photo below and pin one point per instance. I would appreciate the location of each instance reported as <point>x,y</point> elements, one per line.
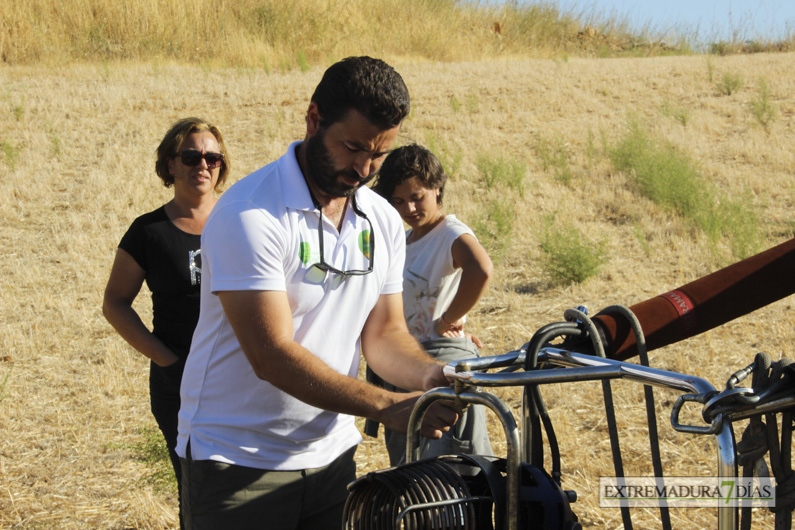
<point>262,323</point>
<point>438,418</point>
<point>434,376</point>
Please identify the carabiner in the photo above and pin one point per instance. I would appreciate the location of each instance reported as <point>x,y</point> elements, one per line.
<point>716,423</point>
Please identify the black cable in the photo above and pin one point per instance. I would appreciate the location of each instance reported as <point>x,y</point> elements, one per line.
<point>537,412</point>
<point>651,413</point>
<point>610,410</point>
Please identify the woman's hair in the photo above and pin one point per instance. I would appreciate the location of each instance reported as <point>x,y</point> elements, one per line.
<point>174,138</point>
<point>410,161</point>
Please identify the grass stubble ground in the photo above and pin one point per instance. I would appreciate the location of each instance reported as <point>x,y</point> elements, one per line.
<point>77,166</point>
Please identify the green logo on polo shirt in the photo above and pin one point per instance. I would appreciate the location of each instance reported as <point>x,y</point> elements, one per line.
<point>304,252</point>
<point>364,243</point>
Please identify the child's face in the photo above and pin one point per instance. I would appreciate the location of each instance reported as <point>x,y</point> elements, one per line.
<point>417,205</point>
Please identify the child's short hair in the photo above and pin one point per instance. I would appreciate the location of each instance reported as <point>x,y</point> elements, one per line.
<point>406,162</point>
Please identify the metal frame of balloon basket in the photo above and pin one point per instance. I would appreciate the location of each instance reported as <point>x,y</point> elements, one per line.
<point>571,367</point>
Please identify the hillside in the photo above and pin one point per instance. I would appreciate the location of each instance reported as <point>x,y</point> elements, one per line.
<point>77,161</point>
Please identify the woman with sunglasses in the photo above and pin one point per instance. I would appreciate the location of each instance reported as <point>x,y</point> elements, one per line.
<point>163,248</point>
<point>446,272</point>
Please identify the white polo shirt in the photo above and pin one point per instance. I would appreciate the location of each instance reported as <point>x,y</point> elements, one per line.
<point>263,235</point>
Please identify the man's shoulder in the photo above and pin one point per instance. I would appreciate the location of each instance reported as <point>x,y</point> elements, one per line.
<point>265,187</point>
<point>244,188</point>
<point>250,201</point>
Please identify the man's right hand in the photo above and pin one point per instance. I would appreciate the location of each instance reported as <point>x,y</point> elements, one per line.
<point>438,418</point>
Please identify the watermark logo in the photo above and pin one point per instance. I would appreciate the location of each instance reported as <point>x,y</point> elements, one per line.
<point>686,492</point>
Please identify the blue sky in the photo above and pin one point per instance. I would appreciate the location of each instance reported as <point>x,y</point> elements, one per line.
<point>714,19</point>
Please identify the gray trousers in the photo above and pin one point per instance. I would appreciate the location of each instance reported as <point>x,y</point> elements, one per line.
<point>468,436</point>
<point>217,495</point>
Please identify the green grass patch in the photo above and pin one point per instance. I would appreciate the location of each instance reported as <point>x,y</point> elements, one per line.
<point>103,69</point>
<point>4,382</point>
<point>455,105</point>
<point>554,157</point>
<point>498,171</point>
<point>56,145</point>
<point>675,112</point>
<point>591,150</point>
<point>671,180</point>
<point>470,104</point>
<point>736,223</point>
<point>55,141</point>
<point>710,69</point>
<point>451,159</point>
<point>730,83</point>
<point>640,235</point>
<point>302,60</point>
<point>11,153</point>
<point>18,109</point>
<point>494,226</point>
<point>150,448</point>
<point>762,109</point>
<point>661,173</point>
<point>568,255</point>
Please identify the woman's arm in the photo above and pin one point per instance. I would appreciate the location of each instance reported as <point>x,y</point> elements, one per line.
<point>476,271</point>
<point>124,284</point>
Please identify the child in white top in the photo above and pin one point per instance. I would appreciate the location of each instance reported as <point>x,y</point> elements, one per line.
<point>446,272</point>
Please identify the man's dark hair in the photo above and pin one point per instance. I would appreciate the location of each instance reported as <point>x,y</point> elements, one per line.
<point>406,162</point>
<point>367,85</point>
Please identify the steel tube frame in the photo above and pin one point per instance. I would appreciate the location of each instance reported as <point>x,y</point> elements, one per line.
<point>513,462</point>
<point>558,366</point>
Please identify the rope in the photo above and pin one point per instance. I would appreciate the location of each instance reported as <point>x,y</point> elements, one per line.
<point>760,438</point>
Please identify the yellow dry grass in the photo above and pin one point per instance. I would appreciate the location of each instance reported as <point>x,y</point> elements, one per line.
<point>276,35</point>
<point>77,164</point>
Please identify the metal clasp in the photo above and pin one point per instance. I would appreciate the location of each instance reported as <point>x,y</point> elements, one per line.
<point>715,426</point>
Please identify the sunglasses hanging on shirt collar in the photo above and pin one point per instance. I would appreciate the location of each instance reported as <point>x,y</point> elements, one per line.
<point>322,264</point>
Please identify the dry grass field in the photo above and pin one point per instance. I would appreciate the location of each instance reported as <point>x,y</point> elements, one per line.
<point>77,164</point>
<point>277,35</point>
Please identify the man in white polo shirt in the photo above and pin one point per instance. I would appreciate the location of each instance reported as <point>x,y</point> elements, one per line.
<point>302,270</point>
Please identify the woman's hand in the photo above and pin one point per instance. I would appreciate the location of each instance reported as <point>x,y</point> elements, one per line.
<point>476,270</point>
<point>475,339</point>
<point>126,279</point>
<point>449,329</point>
